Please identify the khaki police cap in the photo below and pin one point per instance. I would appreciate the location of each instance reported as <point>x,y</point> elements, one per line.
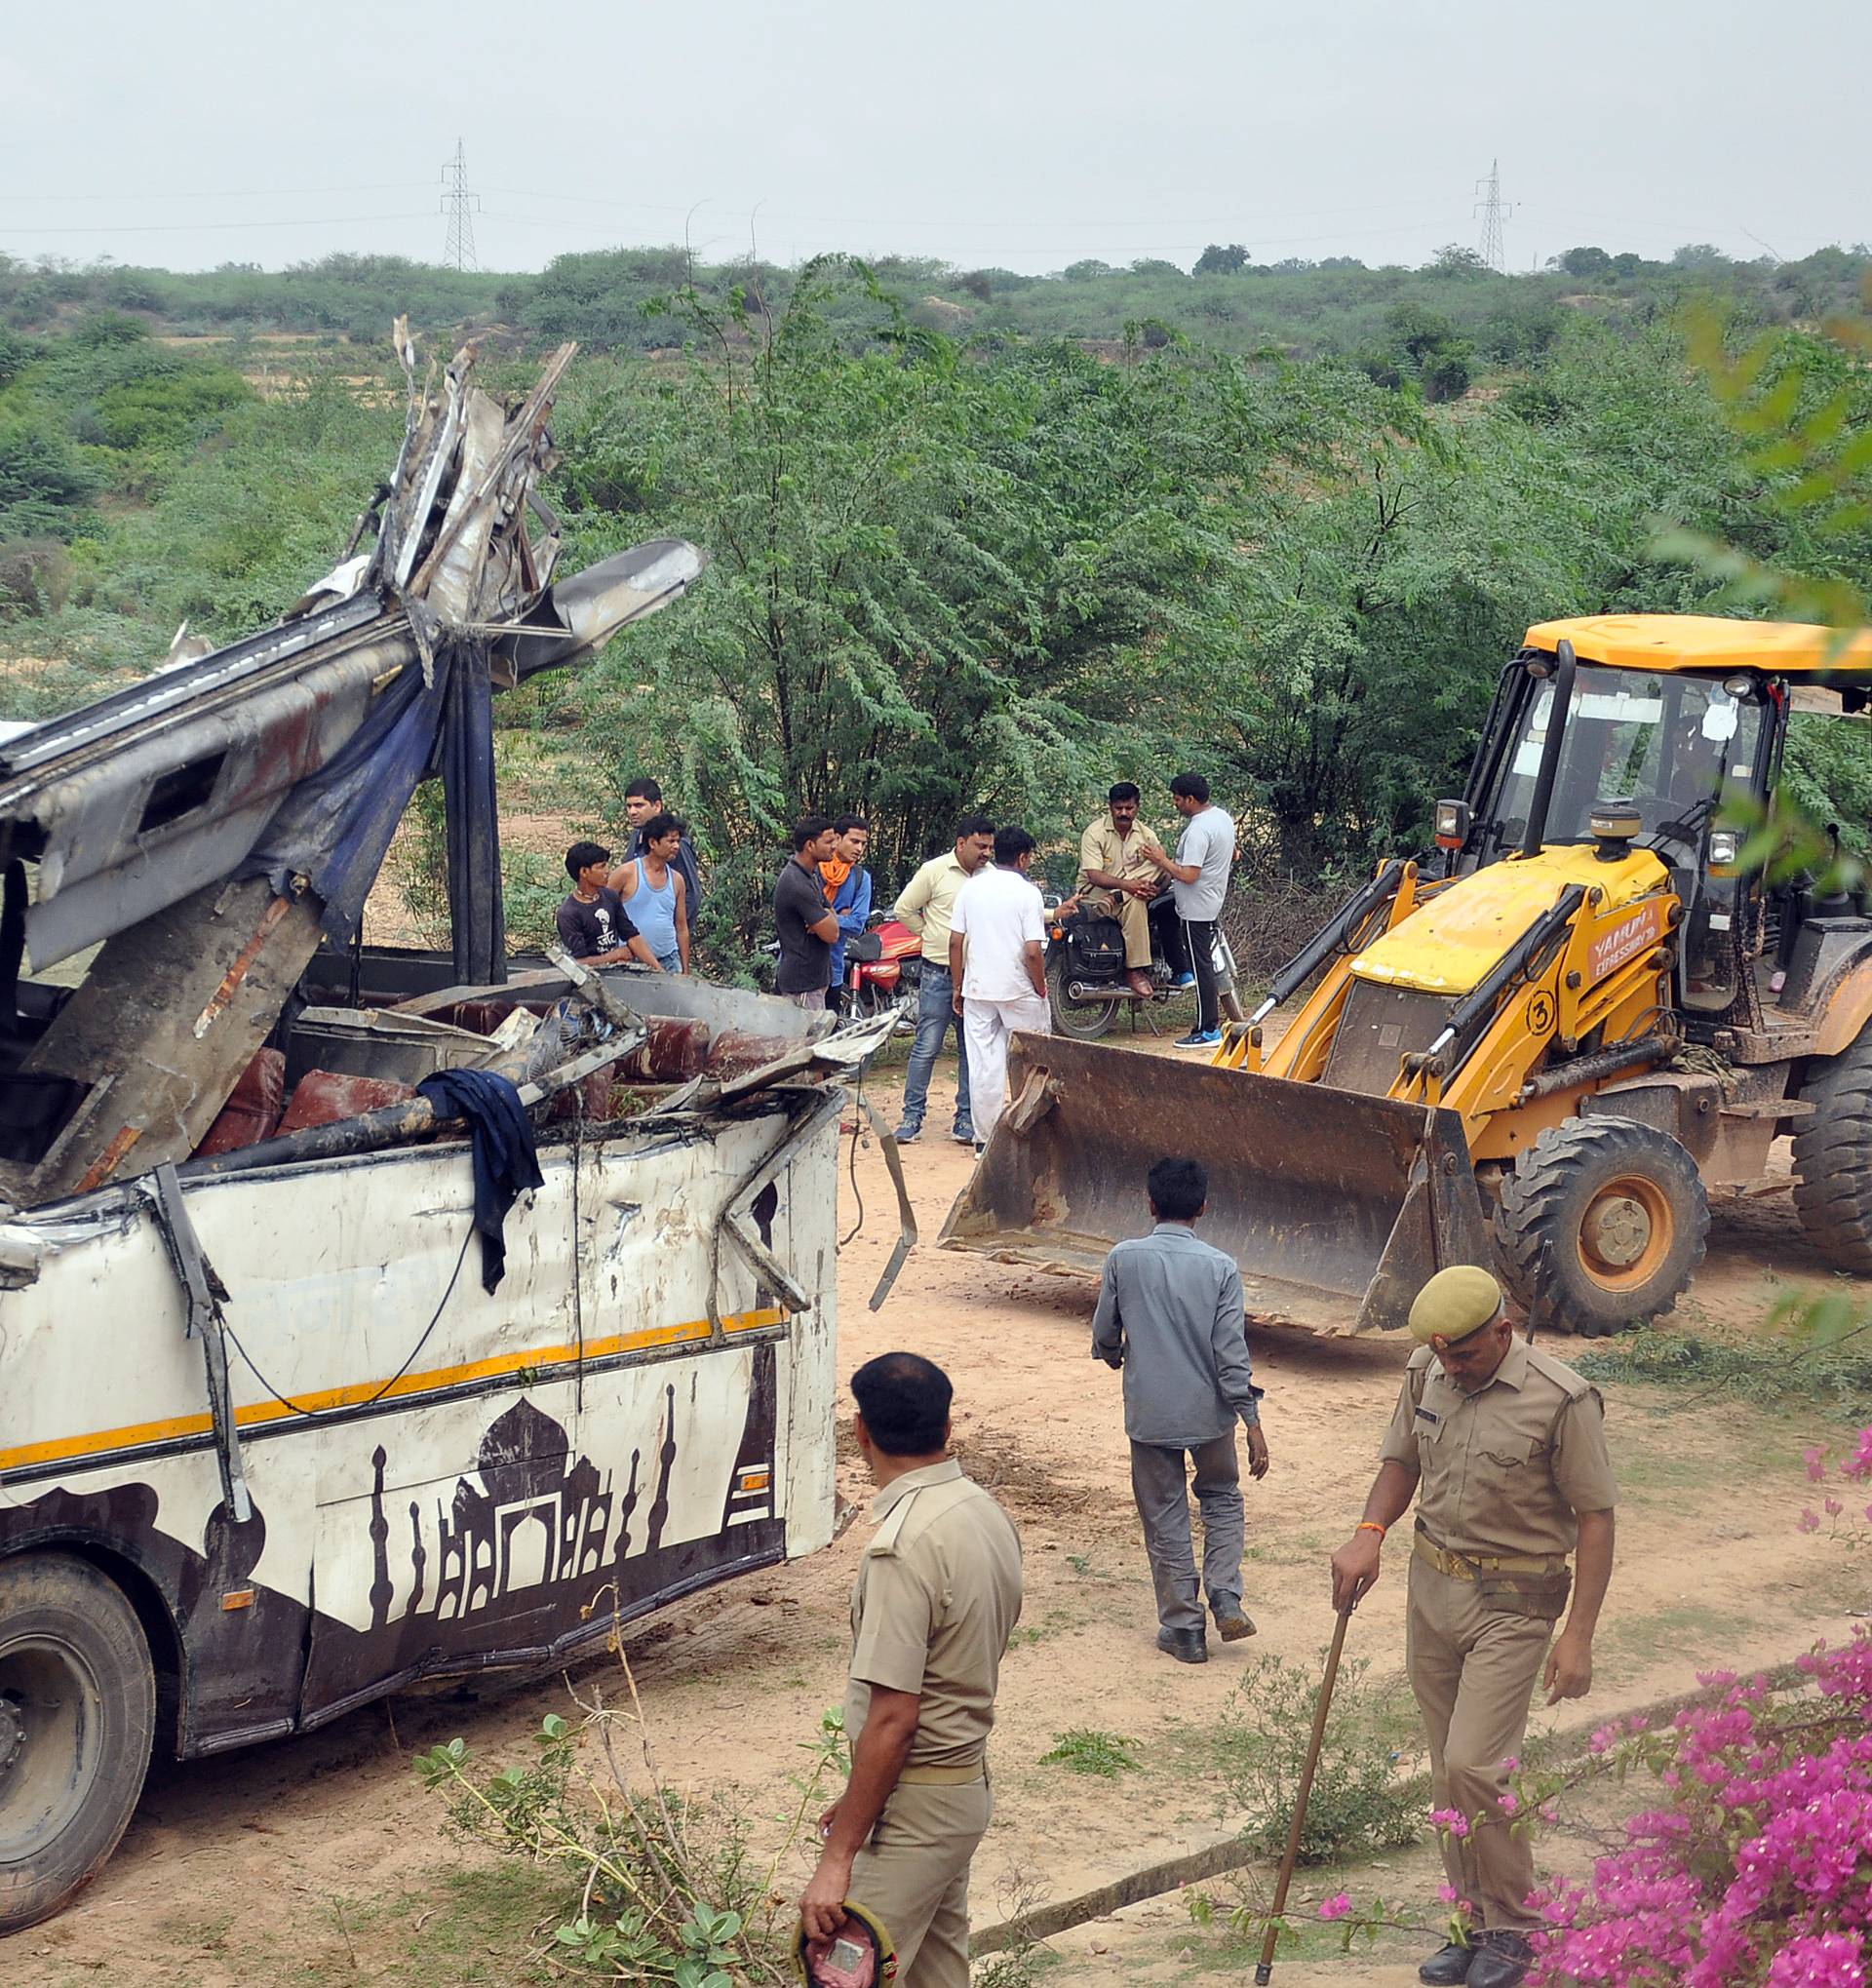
<point>1454,1304</point>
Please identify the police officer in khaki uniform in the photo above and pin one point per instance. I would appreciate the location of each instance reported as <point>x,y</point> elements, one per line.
<point>1505,1452</point>
<point>937,1596</point>
<point>1117,878</point>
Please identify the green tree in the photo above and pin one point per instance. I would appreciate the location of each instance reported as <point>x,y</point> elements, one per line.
<point>1447,373</point>
<point>1216,260</point>
<point>1586,261</point>
<point>45,486</point>
<point>938,582</point>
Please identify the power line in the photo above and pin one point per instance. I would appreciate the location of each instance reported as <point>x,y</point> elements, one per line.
<point>609,232</point>
<point>1106,223</point>
<point>339,221</point>
<point>235,192</point>
<point>1492,210</point>
<point>459,205</point>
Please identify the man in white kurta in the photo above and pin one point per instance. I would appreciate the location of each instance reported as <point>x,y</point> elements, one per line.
<point>997,962</point>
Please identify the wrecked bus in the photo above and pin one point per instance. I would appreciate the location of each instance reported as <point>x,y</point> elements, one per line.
<point>280,1429</point>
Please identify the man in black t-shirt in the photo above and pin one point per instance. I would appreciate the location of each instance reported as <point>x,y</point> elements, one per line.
<point>594,926</point>
<point>806,923</point>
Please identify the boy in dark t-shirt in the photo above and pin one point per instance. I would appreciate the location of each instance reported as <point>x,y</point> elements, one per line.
<point>594,926</point>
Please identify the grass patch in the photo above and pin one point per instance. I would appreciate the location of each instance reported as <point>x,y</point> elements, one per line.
<point>1674,1470</point>
<point>1634,1643</point>
<point>1086,1751</point>
<point>1052,1623</point>
<point>1831,1370</point>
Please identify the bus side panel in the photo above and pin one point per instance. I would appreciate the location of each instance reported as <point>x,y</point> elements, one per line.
<point>543,1547</point>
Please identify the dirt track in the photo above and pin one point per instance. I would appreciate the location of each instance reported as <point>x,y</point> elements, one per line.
<point>321,1859</point>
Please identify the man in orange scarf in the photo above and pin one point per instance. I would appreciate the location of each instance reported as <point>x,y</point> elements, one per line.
<point>846,883</point>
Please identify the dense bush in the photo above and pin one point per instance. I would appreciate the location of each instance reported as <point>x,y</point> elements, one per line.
<point>957,564</point>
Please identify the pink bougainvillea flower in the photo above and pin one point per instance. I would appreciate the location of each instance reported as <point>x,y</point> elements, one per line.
<point>1337,1906</point>
<point>1815,1464</point>
<point>1808,1522</point>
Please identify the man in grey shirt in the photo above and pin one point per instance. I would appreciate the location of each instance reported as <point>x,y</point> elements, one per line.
<point>1170,1315</point>
<point>1199,878</point>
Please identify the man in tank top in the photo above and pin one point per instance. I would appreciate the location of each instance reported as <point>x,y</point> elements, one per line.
<point>656,892</point>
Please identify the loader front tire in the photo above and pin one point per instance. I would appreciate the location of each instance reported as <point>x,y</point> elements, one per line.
<point>1601,1224</point>
<point>1833,1160</point>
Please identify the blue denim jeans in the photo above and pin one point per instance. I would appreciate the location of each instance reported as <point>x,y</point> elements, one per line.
<point>935,1014</point>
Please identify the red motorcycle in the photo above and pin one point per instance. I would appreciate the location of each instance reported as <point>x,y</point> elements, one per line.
<point>883,970</point>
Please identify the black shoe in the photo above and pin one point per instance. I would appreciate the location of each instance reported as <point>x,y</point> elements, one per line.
<point>1448,1966</point>
<point>1187,1646</point>
<point>1232,1624</point>
<point>1501,1959</point>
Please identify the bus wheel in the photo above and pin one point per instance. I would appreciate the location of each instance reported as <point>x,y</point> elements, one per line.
<point>77,1714</point>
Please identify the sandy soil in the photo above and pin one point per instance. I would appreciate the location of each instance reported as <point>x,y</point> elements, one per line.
<point>313,1860</point>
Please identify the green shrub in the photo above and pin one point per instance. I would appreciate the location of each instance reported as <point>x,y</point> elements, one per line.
<point>1088,1752</point>
<point>1361,1802</point>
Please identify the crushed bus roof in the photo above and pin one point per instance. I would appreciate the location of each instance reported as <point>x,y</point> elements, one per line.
<point>1707,642</point>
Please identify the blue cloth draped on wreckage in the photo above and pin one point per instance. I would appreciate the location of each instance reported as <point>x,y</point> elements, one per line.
<point>334,828</point>
<point>506,1161</point>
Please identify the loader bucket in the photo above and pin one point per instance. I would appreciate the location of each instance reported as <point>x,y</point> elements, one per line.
<point>1336,1206</point>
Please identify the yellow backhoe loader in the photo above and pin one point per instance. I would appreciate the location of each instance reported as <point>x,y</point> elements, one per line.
<point>1533,1048</point>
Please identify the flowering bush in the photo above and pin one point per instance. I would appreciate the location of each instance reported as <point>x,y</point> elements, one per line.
<point>1756,1871</point>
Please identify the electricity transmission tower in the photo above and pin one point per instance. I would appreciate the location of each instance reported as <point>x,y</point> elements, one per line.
<point>1494,212</point>
<point>460,206</point>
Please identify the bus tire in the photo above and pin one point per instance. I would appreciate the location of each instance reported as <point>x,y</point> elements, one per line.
<point>77,1717</point>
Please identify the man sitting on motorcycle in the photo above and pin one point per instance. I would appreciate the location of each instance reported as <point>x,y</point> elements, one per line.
<point>1119,881</point>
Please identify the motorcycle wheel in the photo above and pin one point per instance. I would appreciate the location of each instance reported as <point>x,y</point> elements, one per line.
<point>1083,1021</point>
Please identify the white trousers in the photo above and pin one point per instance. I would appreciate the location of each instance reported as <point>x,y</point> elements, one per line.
<point>987,1026</point>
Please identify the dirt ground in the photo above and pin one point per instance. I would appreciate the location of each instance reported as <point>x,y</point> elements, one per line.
<point>323,1860</point>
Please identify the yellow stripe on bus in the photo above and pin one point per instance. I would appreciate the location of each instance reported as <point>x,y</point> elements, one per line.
<point>257,1414</point>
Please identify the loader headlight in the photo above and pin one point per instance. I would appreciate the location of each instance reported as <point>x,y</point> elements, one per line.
<point>1451,824</point>
<point>1724,847</point>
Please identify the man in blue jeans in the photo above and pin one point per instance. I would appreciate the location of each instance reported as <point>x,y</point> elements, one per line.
<point>927,902</point>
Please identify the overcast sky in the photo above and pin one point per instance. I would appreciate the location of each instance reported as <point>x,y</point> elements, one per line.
<point>1026,134</point>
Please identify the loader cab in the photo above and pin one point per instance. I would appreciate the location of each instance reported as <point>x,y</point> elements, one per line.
<point>1679,744</point>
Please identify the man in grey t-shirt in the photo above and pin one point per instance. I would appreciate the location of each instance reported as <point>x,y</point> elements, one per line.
<point>1170,1318</point>
<point>1198,877</point>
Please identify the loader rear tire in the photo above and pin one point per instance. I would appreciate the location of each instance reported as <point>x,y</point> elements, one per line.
<point>1833,1160</point>
<point>1601,1224</point>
